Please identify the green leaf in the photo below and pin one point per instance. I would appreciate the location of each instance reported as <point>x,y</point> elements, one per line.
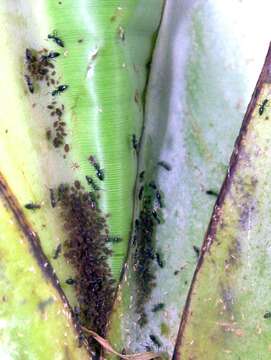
<point>227,311</point>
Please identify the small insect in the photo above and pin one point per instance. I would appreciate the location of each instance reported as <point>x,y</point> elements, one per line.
<point>197,250</point>
<point>99,171</point>
<point>81,340</point>
<point>70,281</point>
<point>29,84</point>
<point>52,55</point>
<point>267,315</point>
<point>91,182</point>
<point>57,252</point>
<point>152,185</point>
<point>156,216</point>
<point>164,165</point>
<point>56,39</point>
<point>155,340</point>
<point>140,194</point>
<point>212,193</point>
<point>134,142</point>
<point>176,272</point>
<point>141,175</point>
<point>159,198</point>
<point>29,56</point>
<point>158,307</point>
<point>32,206</point>
<point>53,198</point>
<point>262,106</point>
<point>137,223</point>
<point>60,89</point>
<point>48,134</point>
<point>159,260</point>
<point>100,174</point>
<point>114,239</point>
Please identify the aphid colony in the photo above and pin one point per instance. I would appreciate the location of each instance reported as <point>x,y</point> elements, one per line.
<point>145,254</point>
<point>40,68</point>
<point>86,249</point>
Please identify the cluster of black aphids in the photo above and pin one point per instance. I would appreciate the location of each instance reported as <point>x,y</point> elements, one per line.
<point>86,249</point>
<point>146,255</point>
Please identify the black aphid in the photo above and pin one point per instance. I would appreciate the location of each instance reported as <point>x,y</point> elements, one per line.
<point>32,206</point>
<point>114,239</point>
<point>152,185</point>
<point>212,193</point>
<point>52,55</point>
<point>53,198</point>
<point>100,174</point>
<point>156,216</point>
<point>70,281</point>
<point>60,89</point>
<point>29,83</point>
<point>56,39</point>
<point>262,106</point>
<point>141,175</point>
<point>155,340</point>
<point>159,260</point>
<point>57,252</point>
<point>159,198</point>
<point>140,192</point>
<point>164,165</point>
<point>99,171</point>
<point>197,250</point>
<point>158,307</point>
<point>29,56</point>
<point>92,183</point>
<point>134,142</point>
<point>267,315</point>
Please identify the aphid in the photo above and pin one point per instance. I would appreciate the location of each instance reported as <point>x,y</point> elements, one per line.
<point>32,206</point>
<point>57,252</point>
<point>48,134</point>
<point>197,250</point>
<point>164,165</point>
<point>29,56</point>
<point>140,192</point>
<point>159,260</point>
<point>159,198</point>
<point>70,281</point>
<point>53,198</point>
<point>56,39</point>
<point>50,56</point>
<point>156,216</point>
<point>141,175</point>
<point>137,223</point>
<point>158,307</point>
<point>212,192</point>
<point>155,340</point>
<point>66,148</point>
<point>267,315</point>
<point>176,272</point>
<point>92,183</point>
<point>152,185</point>
<point>29,84</point>
<point>81,339</point>
<point>99,171</point>
<point>100,174</point>
<point>114,239</point>
<point>60,89</point>
<point>262,106</point>
<point>58,112</point>
<point>134,142</point>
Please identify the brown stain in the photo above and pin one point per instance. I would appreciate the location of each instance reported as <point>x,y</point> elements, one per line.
<point>12,204</point>
<point>265,78</point>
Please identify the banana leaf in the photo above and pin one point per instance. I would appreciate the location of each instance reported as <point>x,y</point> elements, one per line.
<point>230,318</point>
